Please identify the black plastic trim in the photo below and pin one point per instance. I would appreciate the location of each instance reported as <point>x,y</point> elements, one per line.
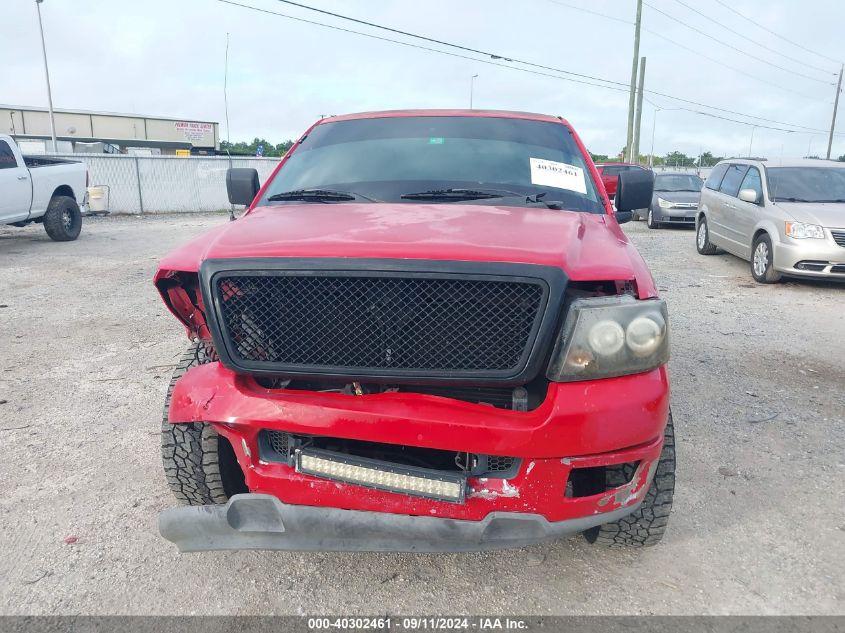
<point>552,280</point>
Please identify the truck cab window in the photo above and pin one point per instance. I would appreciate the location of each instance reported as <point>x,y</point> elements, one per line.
<point>7,158</point>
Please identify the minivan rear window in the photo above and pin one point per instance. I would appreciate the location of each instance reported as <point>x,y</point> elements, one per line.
<point>715,178</point>
<point>733,179</point>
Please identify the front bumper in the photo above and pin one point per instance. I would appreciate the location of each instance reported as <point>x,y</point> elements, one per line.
<point>579,425</point>
<point>675,216</point>
<point>826,253</point>
<point>258,521</point>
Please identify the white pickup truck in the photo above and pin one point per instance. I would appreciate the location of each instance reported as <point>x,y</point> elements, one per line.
<point>41,189</point>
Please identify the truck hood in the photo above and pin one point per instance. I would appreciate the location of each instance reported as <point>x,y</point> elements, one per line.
<point>829,215</point>
<point>586,246</point>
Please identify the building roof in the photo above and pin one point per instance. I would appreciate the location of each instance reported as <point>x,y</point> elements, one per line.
<point>102,113</point>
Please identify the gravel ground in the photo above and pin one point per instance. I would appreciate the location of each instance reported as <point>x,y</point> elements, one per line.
<point>758,379</point>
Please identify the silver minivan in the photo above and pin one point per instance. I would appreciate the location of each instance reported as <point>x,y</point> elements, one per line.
<point>785,217</point>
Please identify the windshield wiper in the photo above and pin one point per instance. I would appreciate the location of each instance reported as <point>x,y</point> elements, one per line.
<point>457,195</point>
<point>448,195</point>
<point>781,199</point>
<point>317,195</point>
<point>538,199</point>
<point>832,200</point>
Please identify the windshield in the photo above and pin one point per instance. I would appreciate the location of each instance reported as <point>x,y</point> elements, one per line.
<point>807,184</point>
<point>385,159</point>
<point>678,182</point>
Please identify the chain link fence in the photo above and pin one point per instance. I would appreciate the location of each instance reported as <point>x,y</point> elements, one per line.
<point>161,184</point>
<point>157,184</point>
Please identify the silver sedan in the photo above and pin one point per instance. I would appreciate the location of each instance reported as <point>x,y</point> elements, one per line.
<point>675,200</point>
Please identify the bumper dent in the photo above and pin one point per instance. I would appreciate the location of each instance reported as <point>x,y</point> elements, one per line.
<point>263,522</point>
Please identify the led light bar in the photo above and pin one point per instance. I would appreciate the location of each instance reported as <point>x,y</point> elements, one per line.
<point>372,473</point>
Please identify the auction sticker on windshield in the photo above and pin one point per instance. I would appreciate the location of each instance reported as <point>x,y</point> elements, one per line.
<point>548,173</point>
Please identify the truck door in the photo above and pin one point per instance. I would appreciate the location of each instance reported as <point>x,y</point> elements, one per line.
<point>15,186</point>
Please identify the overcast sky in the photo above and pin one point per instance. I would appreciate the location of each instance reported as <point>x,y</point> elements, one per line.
<point>166,58</point>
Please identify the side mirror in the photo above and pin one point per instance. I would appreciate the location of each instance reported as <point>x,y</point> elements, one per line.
<point>749,195</point>
<point>634,190</point>
<point>242,185</point>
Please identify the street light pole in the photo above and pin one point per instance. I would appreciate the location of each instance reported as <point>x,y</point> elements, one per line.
<point>751,142</point>
<point>471,82</point>
<point>653,126</point>
<point>47,75</point>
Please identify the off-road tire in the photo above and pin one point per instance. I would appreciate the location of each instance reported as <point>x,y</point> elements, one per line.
<point>649,220</point>
<point>63,220</point>
<point>200,465</point>
<point>702,242</point>
<point>769,274</point>
<point>645,526</point>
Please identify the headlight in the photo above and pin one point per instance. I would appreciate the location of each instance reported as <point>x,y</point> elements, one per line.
<point>610,336</point>
<point>799,231</point>
<point>664,204</point>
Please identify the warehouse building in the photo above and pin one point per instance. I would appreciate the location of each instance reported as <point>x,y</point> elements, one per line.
<point>80,131</point>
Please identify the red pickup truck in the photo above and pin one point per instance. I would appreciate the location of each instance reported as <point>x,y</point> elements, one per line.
<point>427,332</point>
<point>610,172</point>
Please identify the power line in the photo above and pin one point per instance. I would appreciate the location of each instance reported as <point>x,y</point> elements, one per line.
<point>784,38</point>
<point>623,88</point>
<point>731,46</point>
<point>809,131</point>
<point>449,44</point>
<point>591,12</point>
<point>749,116</point>
<point>748,39</point>
<point>733,68</point>
<point>614,85</point>
<point>685,47</point>
<point>724,118</point>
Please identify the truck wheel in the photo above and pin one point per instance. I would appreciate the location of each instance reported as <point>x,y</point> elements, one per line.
<point>200,465</point>
<point>63,220</point>
<point>702,239</point>
<point>762,261</point>
<point>646,525</point>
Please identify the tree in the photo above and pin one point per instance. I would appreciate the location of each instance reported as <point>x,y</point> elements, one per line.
<point>599,158</point>
<point>708,160</point>
<point>250,149</point>
<point>679,159</point>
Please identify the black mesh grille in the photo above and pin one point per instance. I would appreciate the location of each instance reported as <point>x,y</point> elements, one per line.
<point>497,464</point>
<point>278,442</point>
<point>387,323</point>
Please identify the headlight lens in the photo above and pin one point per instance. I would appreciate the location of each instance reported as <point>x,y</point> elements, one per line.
<point>606,337</point>
<point>664,204</point>
<point>610,336</point>
<point>800,231</point>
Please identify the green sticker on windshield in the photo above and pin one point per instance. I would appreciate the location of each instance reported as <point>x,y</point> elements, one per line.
<point>435,140</point>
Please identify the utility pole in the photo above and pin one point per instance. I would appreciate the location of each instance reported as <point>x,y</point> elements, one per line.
<point>47,75</point>
<point>653,127</point>
<point>835,107</point>
<point>751,142</point>
<point>635,155</point>
<point>226,88</point>
<point>471,85</point>
<point>630,140</point>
